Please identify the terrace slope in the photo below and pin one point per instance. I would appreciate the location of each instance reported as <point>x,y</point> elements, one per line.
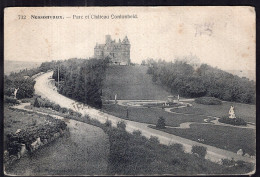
<point>131,83</point>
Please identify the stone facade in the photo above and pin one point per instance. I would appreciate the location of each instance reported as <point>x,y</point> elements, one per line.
<point>118,52</point>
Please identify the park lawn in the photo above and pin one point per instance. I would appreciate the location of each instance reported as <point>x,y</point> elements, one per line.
<point>150,115</point>
<point>131,83</point>
<point>224,137</point>
<point>244,111</point>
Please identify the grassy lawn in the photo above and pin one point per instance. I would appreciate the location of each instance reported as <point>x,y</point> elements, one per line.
<point>244,111</point>
<point>229,138</point>
<point>150,115</point>
<point>131,83</point>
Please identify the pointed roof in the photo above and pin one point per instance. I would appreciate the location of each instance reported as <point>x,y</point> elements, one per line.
<point>125,41</point>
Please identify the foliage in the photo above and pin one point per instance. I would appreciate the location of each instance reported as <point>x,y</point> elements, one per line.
<point>176,146</point>
<point>207,81</point>
<point>137,133</point>
<point>208,101</point>
<point>20,80</point>
<point>11,100</point>
<point>235,121</point>
<point>36,103</point>
<point>154,139</point>
<point>81,79</point>
<point>200,150</point>
<point>121,125</point>
<point>108,123</point>
<point>26,86</point>
<point>29,135</point>
<point>160,123</point>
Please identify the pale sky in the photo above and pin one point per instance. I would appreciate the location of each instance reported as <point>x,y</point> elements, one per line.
<point>219,36</point>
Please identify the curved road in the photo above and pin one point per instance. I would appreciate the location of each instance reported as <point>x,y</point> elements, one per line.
<point>46,89</point>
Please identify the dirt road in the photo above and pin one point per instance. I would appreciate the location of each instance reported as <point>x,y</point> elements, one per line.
<point>46,89</point>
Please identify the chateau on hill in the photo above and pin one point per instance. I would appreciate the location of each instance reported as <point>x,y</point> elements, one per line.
<point>118,52</point>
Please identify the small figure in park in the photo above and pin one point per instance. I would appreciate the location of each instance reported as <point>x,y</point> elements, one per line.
<point>15,92</point>
<point>178,98</point>
<point>115,98</point>
<point>232,113</point>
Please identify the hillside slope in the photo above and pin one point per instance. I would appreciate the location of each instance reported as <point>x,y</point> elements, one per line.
<point>131,83</point>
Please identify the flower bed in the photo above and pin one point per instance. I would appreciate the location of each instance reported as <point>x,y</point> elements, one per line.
<point>32,138</point>
<point>235,121</point>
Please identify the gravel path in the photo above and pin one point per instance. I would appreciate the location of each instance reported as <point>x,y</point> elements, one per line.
<point>44,88</point>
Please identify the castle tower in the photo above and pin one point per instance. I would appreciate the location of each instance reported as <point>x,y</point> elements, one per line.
<point>108,39</point>
<point>126,49</point>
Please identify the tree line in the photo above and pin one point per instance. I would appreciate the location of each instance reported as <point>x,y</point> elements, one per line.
<point>182,78</point>
<point>81,79</point>
<point>24,81</point>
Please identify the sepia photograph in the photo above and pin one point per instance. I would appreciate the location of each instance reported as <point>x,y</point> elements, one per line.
<point>129,91</point>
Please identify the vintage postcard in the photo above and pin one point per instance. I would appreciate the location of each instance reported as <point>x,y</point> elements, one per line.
<point>129,90</point>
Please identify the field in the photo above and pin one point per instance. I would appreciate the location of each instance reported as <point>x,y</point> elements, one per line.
<point>131,83</point>
<point>229,138</point>
<point>151,115</point>
<point>244,111</point>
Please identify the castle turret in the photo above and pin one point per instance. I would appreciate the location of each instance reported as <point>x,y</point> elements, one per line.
<point>108,39</point>
<point>125,41</point>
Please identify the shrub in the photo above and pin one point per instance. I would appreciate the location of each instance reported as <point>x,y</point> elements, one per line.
<point>177,147</point>
<point>56,107</point>
<point>200,150</point>
<point>71,112</point>
<point>63,110</point>
<point>10,100</point>
<point>235,121</point>
<point>108,123</point>
<point>154,139</point>
<point>36,103</point>
<point>208,101</point>
<point>137,133</point>
<point>121,125</point>
<point>228,162</point>
<point>25,100</point>
<point>160,123</point>
<point>8,91</point>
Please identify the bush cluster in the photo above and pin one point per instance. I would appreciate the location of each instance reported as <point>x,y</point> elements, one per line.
<point>29,135</point>
<point>81,80</point>
<point>161,123</point>
<point>235,121</point>
<point>208,101</point>
<point>182,78</point>
<point>40,102</point>
<point>201,151</point>
<point>10,100</point>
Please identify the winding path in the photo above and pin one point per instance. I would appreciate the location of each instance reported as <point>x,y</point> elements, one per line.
<point>46,89</point>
